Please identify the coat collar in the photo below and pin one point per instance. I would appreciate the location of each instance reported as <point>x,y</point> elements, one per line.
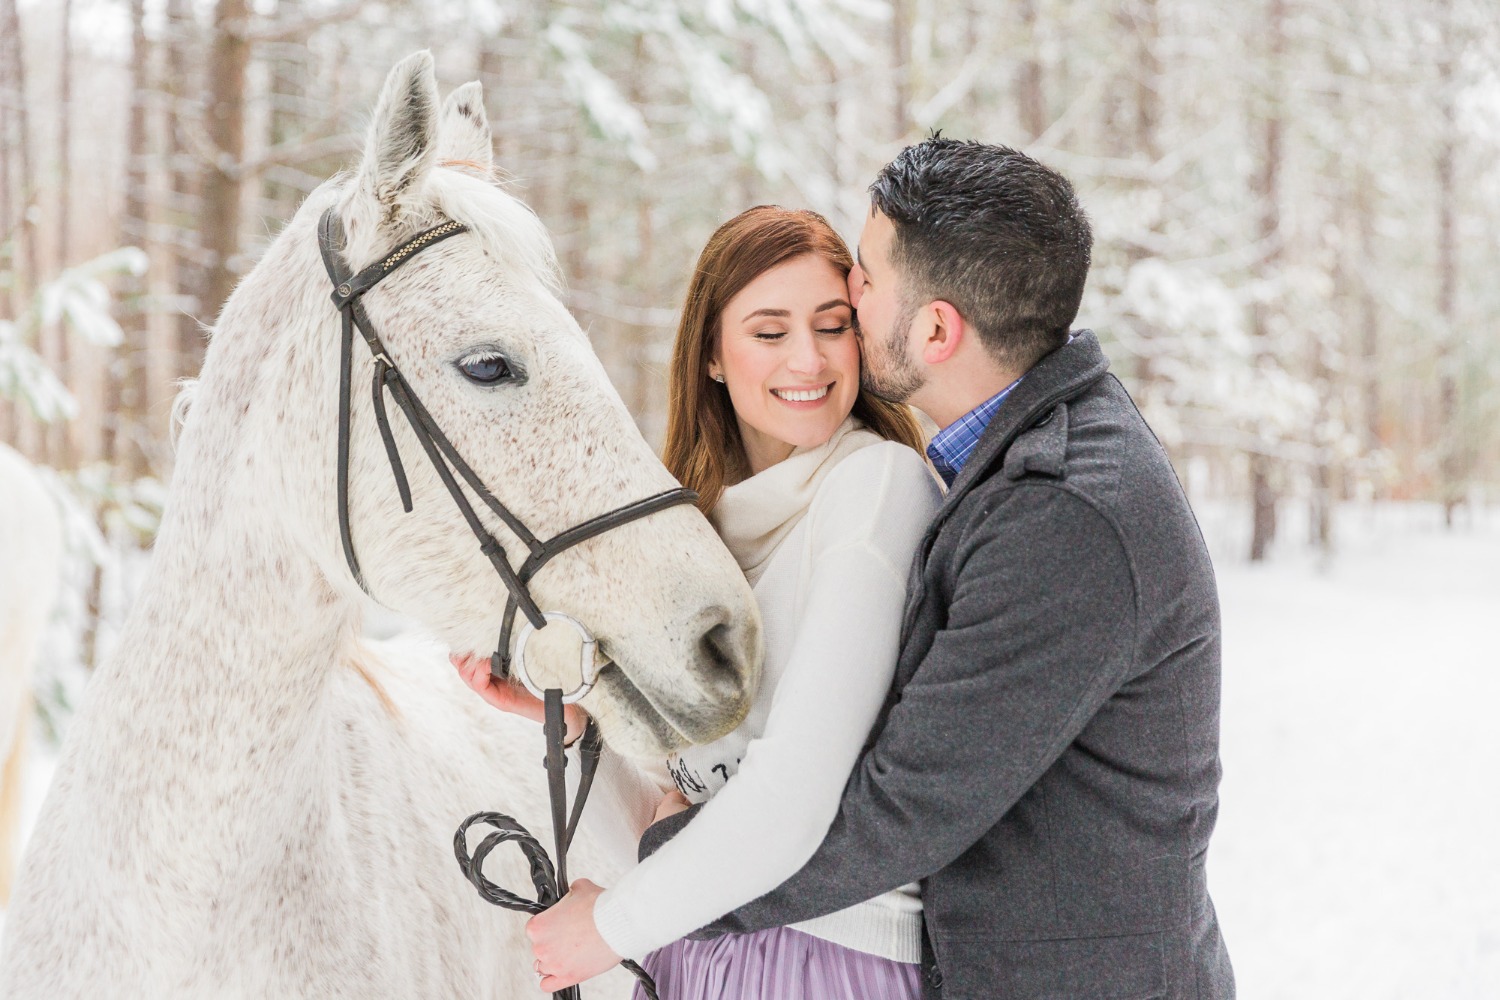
<point>1058,377</point>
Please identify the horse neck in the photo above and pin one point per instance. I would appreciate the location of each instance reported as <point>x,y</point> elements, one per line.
<point>235,633</point>
<point>237,615</point>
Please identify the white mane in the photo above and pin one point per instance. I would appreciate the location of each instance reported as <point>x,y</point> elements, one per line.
<point>504,225</point>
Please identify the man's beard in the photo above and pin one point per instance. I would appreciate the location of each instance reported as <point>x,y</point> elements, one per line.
<point>900,378</point>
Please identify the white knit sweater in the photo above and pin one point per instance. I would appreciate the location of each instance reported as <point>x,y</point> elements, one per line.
<point>831,593</point>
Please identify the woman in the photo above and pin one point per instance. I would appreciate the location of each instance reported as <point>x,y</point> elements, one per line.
<point>820,491</point>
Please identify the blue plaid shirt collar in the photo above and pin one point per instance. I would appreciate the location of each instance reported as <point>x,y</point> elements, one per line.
<point>952,446</point>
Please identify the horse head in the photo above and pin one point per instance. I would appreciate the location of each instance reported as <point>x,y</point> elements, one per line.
<point>477,329</point>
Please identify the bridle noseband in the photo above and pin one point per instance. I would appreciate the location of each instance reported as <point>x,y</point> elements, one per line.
<point>450,466</point>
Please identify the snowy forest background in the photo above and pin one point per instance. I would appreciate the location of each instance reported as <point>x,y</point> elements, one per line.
<point>1294,201</point>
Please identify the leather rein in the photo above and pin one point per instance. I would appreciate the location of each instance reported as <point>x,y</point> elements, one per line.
<point>349,288</point>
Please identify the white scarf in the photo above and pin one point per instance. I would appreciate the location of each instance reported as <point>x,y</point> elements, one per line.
<point>753,516</point>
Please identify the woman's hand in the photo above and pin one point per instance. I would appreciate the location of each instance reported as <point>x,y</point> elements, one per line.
<point>566,944</point>
<point>512,697</point>
<point>671,804</point>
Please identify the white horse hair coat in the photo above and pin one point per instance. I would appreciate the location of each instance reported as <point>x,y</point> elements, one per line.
<point>31,555</point>
<point>252,802</point>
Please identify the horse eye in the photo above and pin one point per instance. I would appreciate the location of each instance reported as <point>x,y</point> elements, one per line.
<point>485,369</point>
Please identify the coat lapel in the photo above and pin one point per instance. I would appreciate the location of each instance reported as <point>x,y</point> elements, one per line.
<point>1060,376</point>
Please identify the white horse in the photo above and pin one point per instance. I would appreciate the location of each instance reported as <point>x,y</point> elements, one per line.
<point>250,802</point>
<point>31,554</point>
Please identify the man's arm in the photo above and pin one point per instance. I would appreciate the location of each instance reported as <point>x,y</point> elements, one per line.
<point>1040,633</point>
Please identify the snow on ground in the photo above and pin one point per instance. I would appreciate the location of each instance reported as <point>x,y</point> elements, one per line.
<point>1360,816</point>
<point>1356,851</point>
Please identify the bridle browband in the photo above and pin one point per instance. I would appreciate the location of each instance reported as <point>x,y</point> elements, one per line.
<point>348,291</point>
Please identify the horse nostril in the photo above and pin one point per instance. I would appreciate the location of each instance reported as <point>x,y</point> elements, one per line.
<point>721,658</point>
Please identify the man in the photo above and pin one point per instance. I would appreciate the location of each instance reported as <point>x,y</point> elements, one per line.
<point>1047,761</point>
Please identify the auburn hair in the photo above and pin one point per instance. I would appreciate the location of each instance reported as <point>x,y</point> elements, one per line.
<point>703,447</point>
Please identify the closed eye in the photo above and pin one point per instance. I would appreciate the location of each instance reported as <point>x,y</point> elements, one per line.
<point>835,331</point>
<point>486,368</point>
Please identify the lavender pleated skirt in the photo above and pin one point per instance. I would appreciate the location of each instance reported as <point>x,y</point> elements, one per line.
<point>777,964</point>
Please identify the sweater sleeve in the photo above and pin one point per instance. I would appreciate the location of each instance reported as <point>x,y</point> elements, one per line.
<point>770,817</point>
<point>1040,633</point>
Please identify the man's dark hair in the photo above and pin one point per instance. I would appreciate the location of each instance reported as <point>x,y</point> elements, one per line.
<point>993,232</point>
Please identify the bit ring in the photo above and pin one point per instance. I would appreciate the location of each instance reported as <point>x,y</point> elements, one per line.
<point>587,668</point>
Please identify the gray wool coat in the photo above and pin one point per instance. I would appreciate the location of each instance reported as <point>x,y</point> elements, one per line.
<point>1047,763</point>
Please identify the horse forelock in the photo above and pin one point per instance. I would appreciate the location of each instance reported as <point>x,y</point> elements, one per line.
<point>503,224</point>
<point>461,191</point>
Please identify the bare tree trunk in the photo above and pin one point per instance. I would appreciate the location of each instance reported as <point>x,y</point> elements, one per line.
<point>120,428</point>
<point>19,139</point>
<point>229,58</point>
<point>185,186</point>
<point>1320,519</point>
<point>901,74</point>
<point>635,336</point>
<point>493,75</point>
<point>65,139</point>
<point>289,120</point>
<point>1369,313</point>
<point>575,256</point>
<point>7,186</point>
<point>1268,189</point>
<point>975,98</point>
<point>9,413</point>
<point>746,174</point>
<point>124,402</point>
<point>1139,139</point>
<point>19,231</point>
<point>1450,443</point>
<point>834,140</point>
<point>1029,94</point>
<point>60,447</point>
<point>1320,527</point>
<point>1331,413</point>
<point>1148,79</point>
<point>1263,507</point>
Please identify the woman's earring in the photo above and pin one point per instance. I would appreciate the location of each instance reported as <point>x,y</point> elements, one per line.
<point>717,378</point>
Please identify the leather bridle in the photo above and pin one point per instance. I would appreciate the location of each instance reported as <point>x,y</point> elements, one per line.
<point>349,288</point>
<point>347,294</point>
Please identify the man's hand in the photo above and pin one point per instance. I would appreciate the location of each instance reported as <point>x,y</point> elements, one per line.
<point>567,947</point>
<point>512,697</point>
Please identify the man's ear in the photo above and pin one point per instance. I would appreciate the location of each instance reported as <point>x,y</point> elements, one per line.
<point>946,331</point>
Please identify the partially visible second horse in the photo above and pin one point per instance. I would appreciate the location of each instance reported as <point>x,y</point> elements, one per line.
<point>31,555</point>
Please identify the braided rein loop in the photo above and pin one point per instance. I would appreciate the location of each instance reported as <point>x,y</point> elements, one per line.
<point>508,830</point>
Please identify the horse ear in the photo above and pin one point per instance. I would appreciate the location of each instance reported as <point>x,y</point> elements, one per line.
<point>402,144</point>
<point>464,135</point>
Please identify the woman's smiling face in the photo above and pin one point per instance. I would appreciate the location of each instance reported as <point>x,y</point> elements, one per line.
<point>789,358</point>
